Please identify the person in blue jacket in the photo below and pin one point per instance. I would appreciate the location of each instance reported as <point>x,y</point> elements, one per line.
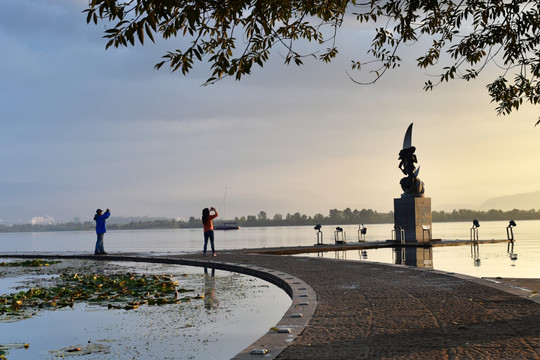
<point>100,230</point>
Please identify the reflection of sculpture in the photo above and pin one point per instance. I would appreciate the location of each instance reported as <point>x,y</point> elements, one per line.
<point>421,257</point>
<point>410,184</point>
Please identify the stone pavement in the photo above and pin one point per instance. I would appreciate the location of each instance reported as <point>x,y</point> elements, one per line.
<point>367,310</point>
<point>377,311</point>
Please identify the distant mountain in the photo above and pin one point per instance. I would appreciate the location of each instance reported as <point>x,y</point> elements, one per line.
<point>525,201</point>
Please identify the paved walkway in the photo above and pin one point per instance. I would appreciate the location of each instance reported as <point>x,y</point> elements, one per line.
<point>375,311</point>
<point>364,310</point>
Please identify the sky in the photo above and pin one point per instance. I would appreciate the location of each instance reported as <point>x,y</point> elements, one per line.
<point>86,128</point>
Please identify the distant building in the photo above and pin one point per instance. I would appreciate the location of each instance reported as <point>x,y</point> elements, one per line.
<point>76,220</point>
<point>43,220</point>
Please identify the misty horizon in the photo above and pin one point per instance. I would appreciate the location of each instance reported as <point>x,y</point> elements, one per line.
<point>522,202</point>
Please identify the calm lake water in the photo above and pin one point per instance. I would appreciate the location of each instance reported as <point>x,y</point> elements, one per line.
<point>241,318</point>
<point>236,310</point>
<point>492,259</point>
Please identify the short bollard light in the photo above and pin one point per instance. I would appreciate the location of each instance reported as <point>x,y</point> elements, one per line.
<point>426,229</point>
<point>398,231</point>
<point>362,231</point>
<point>510,235</point>
<point>339,236</point>
<point>474,230</point>
<point>510,230</point>
<point>319,234</point>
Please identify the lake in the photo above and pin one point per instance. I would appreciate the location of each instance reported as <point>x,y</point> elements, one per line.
<point>492,259</point>
<point>241,318</point>
<point>235,311</point>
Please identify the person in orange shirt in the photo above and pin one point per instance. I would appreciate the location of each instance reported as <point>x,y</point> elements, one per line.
<point>209,228</point>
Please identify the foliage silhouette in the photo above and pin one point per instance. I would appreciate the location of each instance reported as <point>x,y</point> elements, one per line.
<point>459,39</point>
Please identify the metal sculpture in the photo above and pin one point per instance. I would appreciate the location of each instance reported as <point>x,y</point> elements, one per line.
<point>411,184</point>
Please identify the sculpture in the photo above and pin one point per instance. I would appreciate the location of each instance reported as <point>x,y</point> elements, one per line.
<point>411,184</point>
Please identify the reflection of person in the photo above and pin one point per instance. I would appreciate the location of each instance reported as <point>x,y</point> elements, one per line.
<point>210,299</point>
<point>208,224</point>
<point>100,230</point>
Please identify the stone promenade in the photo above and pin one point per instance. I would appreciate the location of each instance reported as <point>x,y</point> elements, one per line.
<point>376,311</point>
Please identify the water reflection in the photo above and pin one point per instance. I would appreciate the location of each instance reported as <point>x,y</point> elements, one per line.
<point>210,298</point>
<point>510,250</point>
<point>464,258</point>
<point>362,254</point>
<point>100,267</point>
<point>421,257</point>
<point>475,253</point>
<point>342,254</point>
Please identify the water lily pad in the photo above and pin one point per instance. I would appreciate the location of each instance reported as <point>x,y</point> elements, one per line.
<point>13,346</point>
<point>4,348</point>
<point>29,263</point>
<point>116,291</point>
<point>80,350</point>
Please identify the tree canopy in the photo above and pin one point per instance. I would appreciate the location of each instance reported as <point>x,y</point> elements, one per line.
<point>233,35</point>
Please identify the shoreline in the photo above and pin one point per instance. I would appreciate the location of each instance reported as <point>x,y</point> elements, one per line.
<point>527,284</point>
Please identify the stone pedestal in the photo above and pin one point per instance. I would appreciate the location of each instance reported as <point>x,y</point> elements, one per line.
<point>411,213</point>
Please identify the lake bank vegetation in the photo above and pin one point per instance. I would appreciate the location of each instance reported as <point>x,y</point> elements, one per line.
<point>334,217</point>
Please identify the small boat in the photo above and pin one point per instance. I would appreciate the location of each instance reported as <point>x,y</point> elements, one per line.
<point>227,226</point>
<point>230,225</point>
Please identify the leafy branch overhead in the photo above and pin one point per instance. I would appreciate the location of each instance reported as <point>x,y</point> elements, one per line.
<point>234,35</point>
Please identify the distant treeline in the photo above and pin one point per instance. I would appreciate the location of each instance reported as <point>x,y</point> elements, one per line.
<point>334,217</point>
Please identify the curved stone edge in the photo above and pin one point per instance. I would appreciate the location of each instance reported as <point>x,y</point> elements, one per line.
<point>521,292</point>
<point>268,346</point>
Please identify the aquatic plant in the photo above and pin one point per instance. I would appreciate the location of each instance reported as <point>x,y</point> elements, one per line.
<point>4,348</point>
<point>80,350</point>
<point>29,263</point>
<point>116,291</point>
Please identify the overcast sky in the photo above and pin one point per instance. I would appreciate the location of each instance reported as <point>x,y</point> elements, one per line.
<point>84,128</point>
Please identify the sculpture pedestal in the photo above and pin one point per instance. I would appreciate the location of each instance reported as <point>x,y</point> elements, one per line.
<point>412,214</point>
